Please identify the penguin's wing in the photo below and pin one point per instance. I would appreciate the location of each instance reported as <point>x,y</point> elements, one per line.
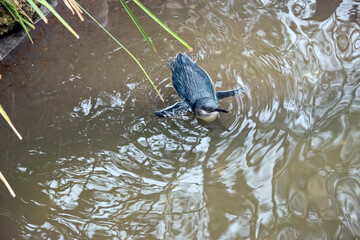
<point>172,111</point>
<point>229,93</point>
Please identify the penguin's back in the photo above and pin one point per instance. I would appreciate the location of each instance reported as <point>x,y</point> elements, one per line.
<point>190,81</point>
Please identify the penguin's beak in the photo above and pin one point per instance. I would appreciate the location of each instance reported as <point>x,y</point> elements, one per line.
<point>220,109</point>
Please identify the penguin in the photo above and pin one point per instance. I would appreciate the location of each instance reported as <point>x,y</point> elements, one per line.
<point>196,89</point>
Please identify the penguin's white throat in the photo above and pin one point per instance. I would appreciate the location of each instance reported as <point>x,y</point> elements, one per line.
<point>206,116</point>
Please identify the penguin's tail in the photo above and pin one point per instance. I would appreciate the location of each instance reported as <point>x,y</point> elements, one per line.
<point>170,65</point>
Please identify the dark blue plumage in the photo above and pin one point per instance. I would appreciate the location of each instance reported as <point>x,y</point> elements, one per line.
<point>190,81</point>
<point>195,88</point>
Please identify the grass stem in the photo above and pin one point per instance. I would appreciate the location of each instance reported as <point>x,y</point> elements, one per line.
<point>6,117</point>
<point>3,179</point>
<point>122,46</point>
<point>162,24</point>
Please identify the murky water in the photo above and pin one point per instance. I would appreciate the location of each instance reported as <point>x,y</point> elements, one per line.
<point>96,163</point>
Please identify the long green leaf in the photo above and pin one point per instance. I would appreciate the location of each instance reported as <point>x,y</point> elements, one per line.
<point>21,20</point>
<point>25,21</point>
<point>8,9</point>
<point>26,29</point>
<point>162,24</point>
<point>6,117</point>
<point>127,51</point>
<point>38,11</point>
<point>136,23</point>
<point>51,9</point>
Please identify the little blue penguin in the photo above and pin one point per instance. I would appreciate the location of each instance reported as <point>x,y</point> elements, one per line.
<point>195,88</point>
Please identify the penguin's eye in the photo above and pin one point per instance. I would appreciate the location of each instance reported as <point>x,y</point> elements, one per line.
<point>206,109</point>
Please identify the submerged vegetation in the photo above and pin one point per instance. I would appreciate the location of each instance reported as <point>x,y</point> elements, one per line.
<point>13,7</point>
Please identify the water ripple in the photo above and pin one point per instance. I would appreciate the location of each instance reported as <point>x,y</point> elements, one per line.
<point>282,164</point>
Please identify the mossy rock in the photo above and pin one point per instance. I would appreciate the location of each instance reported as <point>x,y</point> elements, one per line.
<point>7,22</point>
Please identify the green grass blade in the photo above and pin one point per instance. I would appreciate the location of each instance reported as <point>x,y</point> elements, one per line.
<point>127,51</point>
<point>38,11</point>
<point>25,21</point>
<point>26,29</point>
<point>21,20</point>
<point>51,9</point>
<point>162,24</point>
<point>6,117</point>
<point>8,9</point>
<point>137,23</point>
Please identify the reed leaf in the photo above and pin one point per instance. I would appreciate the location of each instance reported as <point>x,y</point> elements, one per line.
<point>52,10</point>
<point>74,8</point>
<point>17,7</point>
<point>38,11</point>
<point>7,119</point>
<point>19,16</point>
<point>126,50</point>
<point>21,22</point>
<point>26,29</point>
<point>162,24</point>
<point>137,23</point>
<point>3,179</point>
<point>8,8</point>
<point>25,21</point>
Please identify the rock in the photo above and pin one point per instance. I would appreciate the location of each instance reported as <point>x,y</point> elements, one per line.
<point>7,21</point>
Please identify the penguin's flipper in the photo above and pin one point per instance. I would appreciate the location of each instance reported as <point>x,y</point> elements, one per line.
<point>174,110</point>
<point>229,93</point>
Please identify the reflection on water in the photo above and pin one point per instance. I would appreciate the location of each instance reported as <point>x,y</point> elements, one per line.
<point>97,163</point>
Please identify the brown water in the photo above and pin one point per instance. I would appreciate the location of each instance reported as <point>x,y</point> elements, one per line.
<point>96,163</point>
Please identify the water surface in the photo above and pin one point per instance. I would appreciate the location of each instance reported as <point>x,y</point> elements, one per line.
<point>96,163</point>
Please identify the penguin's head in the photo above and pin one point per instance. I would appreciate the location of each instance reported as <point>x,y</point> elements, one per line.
<point>206,109</point>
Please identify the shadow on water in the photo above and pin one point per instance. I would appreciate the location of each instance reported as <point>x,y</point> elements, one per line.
<point>96,163</point>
